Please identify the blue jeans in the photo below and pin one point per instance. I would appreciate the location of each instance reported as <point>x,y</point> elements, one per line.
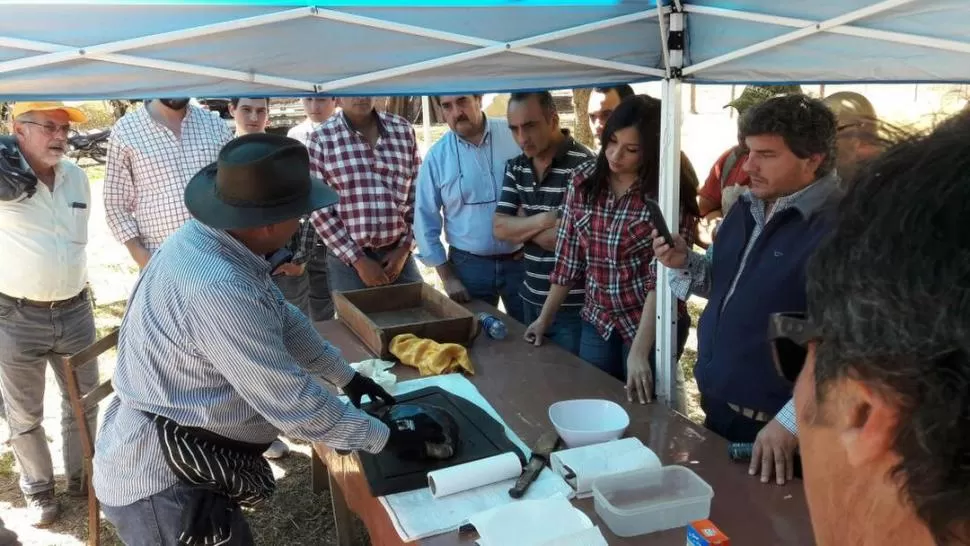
<point>610,355</point>
<point>343,277</point>
<point>318,285</point>
<point>565,331</point>
<point>157,520</point>
<point>296,290</point>
<point>487,279</point>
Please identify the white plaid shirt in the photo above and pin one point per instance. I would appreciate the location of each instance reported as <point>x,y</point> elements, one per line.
<point>375,185</point>
<point>148,169</point>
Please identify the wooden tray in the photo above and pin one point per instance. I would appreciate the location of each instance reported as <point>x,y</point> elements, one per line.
<point>377,315</point>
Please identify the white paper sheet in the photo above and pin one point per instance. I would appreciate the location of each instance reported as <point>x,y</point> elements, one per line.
<point>591,462</point>
<point>417,514</point>
<point>548,522</point>
<point>463,477</point>
<point>376,369</point>
<point>587,537</point>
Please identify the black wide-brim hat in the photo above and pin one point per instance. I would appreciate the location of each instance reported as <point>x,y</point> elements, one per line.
<point>258,180</point>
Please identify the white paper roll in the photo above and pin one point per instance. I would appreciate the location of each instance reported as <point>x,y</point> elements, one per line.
<point>463,477</point>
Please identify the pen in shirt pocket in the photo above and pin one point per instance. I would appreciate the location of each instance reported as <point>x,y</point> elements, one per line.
<point>78,205</point>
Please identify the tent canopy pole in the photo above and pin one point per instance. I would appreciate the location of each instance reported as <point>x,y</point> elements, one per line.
<point>666,319</point>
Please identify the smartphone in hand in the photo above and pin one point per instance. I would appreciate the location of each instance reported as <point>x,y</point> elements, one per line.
<point>278,258</point>
<point>657,218</point>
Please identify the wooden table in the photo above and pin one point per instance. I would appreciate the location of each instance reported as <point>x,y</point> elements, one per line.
<point>521,382</point>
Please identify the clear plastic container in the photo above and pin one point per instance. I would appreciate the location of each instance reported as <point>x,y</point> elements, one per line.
<point>647,501</point>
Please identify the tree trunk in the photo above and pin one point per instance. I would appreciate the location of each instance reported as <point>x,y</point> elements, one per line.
<point>4,122</point>
<point>119,108</point>
<point>582,132</point>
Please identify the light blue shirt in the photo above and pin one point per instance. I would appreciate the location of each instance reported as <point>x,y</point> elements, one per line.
<point>208,341</point>
<point>458,188</point>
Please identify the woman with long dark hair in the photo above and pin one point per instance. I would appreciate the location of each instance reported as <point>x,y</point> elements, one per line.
<point>604,240</point>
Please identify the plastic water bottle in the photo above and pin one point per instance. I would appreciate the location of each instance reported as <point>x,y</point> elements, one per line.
<point>740,451</point>
<point>493,326</point>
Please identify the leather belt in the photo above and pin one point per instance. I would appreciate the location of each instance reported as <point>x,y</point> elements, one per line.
<point>512,256</point>
<point>756,415</point>
<point>24,302</point>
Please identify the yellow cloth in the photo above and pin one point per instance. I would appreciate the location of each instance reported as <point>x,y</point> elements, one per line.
<point>429,356</point>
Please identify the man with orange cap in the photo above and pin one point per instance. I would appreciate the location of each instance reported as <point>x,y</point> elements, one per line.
<point>45,304</point>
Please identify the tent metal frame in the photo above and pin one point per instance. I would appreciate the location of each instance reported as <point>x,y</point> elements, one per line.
<point>805,28</point>
<point>53,53</point>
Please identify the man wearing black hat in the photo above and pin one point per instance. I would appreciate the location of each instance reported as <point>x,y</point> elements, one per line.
<point>213,363</point>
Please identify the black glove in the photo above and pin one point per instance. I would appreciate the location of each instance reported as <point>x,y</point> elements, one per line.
<point>414,437</point>
<point>360,385</point>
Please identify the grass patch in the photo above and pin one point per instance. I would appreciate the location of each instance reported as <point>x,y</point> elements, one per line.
<point>108,316</point>
<point>6,465</point>
<point>94,171</point>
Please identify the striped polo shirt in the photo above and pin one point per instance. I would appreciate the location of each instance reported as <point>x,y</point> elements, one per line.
<point>521,189</point>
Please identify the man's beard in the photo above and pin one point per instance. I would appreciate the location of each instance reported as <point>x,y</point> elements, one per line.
<point>174,104</point>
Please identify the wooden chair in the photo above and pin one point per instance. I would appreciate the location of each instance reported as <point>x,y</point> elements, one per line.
<point>81,405</point>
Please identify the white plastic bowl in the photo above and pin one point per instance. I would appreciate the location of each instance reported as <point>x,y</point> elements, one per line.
<point>586,422</point>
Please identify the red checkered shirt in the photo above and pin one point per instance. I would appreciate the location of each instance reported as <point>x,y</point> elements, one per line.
<point>375,184</point>
<point>609,241</point>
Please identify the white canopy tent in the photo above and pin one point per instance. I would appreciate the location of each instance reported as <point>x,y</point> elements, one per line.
<point>105,49</point>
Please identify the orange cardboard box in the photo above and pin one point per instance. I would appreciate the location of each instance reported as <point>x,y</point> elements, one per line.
<point>705,533</point>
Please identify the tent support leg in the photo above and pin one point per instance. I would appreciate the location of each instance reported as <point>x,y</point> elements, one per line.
<point>426,121</point>
<point>666,340</point>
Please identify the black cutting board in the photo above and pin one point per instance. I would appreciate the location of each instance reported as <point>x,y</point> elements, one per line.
<point>479,436</point>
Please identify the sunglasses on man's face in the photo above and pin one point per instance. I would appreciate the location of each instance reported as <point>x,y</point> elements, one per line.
<point>789,335</point>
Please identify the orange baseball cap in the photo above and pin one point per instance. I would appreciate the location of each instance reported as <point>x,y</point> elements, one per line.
<point>73,114</point>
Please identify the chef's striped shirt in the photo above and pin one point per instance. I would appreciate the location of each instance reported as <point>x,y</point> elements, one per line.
<point>209,341</point>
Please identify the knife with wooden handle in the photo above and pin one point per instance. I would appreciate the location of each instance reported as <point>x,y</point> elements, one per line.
<point>547,443</point>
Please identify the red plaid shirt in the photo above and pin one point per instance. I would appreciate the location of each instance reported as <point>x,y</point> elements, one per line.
<point>375,184</point>
<point>609,241</point>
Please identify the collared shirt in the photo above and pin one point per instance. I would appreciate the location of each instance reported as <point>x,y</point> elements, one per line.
<point>303,244</point>
<point>696,278</point>
<point>209,341</point>
<point>303,130</point>
<point>148,169</point>
<point>465,181</point>
<point>609,241</point>
<point>375,185</point>
<point>43,239</point>
<point>521,189</point>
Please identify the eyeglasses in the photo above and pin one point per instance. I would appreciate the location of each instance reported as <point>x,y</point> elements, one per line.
<point>789,335</point>
<point>469,195</point>
<point>51,129</point>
